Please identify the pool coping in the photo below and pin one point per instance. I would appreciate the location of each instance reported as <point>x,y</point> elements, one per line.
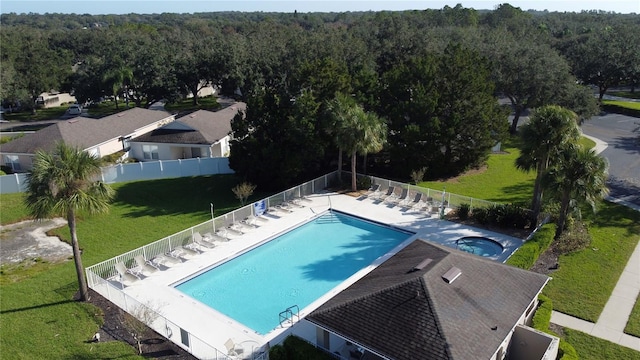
<point>214,328</point>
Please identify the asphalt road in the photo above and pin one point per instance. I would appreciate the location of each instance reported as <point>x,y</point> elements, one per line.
<point>622,152</point>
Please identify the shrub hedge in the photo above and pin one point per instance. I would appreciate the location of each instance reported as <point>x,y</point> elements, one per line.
<point>503,215</point>
<point>294,348</point>
<point>527,255</point>
<point>463,211</point>
<point>541,321</point>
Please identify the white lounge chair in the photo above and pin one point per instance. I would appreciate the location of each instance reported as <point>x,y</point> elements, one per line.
<point>163,260</point>
<point>126,274</point>
<point>145,265</point>
<point>385,195</point>
<point>373,191</point>
<point>416,202</point>
<point>201,241</point>
<point>397,199</point>
<point>236,229</point>
<point>232,348</point>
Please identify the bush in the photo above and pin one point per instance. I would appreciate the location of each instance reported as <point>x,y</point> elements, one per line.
<point>277,352</point>
<point>566,351</point>
<point>574,238</point>
<point>508,216</point>
<point>363,183</point>
<point>541,321</point>
<point>480,215</point>
<point>294,348</point>
<point>527,254</point>
<point>463,211</point>
<point>542,318</point>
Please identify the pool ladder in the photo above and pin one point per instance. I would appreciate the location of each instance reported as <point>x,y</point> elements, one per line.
<point>286,316</point>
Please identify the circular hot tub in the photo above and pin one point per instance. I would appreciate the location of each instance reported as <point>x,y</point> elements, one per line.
<point>479,245</point>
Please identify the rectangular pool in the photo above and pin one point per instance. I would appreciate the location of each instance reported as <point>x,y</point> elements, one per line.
<point>295,268</point>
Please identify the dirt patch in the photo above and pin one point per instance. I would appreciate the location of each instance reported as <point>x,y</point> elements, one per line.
<point>547,262</point>
<point>28,240</point>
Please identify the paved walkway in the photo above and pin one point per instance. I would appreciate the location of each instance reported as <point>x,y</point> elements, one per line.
<point>613,319</point>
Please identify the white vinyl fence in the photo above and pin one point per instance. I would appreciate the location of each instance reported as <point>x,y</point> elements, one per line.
<point>149,170</point>
<point>100,276</point>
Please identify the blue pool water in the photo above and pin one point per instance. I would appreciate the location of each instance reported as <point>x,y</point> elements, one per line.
<point>479,245</point>
<point>295,268</point>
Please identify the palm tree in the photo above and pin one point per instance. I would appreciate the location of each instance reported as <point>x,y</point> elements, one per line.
<point>579,175</point>
<point>119,78</point>
<point>338,109</point>
<point>63,183</point>
<point>550,127</point>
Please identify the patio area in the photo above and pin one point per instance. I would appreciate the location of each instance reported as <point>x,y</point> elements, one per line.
<point>203,331</point>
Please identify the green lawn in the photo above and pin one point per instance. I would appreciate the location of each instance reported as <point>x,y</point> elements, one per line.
<point>41,114</point>
<point>633,326</point>
<point>500,182</point>
<point>207,103</point>
<point>623,104</point>
<point>587,143</point>
<point>583,283</point>
<point>38,319</point>
<point>593,348</point>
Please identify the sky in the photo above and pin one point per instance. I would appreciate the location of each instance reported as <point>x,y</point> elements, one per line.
<point>98,7</point>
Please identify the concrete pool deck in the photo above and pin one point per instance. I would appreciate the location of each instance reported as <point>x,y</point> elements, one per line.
<point>156,290</point>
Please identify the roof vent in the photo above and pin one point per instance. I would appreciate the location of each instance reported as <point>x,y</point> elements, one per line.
<point>421,265</point>
<point>451,275</point>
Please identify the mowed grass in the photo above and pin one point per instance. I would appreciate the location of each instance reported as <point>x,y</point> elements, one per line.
<point>593,348</point>
<point>633,326</point>
<point>12,209</point>
<point>39,319</point>
<point>499,182</point>
<point>209,102</point>
<point>584,282</point>
<point>623,104</point>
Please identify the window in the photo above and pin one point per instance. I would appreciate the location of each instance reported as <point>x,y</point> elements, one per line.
<point>195,152</point>
<point>150,152</point>
<point>13,162</point>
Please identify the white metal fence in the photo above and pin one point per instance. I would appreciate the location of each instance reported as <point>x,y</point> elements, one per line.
<point>149,170</point>
<point>98,275</point>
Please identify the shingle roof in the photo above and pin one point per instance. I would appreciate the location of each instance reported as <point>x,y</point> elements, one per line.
<point>404,314</point>
<point>200,127</point>
<point>85,132</point>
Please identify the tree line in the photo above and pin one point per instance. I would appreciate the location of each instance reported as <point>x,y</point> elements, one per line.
<point>431,76</point>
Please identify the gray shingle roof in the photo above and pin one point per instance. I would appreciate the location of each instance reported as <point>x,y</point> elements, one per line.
<point>200,127</point>
<point>404,314</point>
<point>85,132</point>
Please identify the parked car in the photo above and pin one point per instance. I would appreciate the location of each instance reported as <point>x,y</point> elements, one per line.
<point>74,109</point>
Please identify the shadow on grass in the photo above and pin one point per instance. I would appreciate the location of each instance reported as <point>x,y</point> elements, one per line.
<point>618,216</point>
<point>516,194</point>
<point>27,308</point>
<point>187,195</point>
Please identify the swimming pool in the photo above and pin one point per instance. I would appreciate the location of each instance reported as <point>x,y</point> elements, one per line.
<point>295,268</point>
<point>479,245</point>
